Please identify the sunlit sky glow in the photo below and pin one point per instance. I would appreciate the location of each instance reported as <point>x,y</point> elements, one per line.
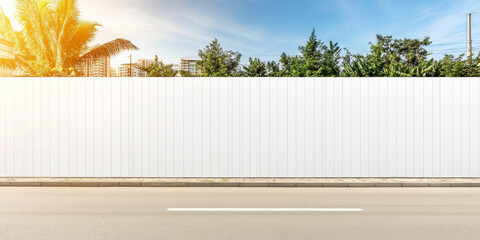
<point>266,28</point>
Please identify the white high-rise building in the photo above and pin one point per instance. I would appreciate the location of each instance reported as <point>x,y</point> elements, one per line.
<point>96,67</point>
<point>124,69</point>
<point>189,66</point>
<point>113,72</point>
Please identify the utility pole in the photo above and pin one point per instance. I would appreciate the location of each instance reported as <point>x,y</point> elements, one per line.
<point>130,65</point>
<point>469,35</point>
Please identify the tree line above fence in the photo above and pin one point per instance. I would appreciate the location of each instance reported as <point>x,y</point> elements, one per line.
<point>387,57</point>
<point>53,41</point>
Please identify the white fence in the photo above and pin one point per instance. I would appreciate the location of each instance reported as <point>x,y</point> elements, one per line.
<point>239,127</point>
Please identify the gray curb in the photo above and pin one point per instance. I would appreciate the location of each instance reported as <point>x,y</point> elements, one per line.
<point>241,184</point>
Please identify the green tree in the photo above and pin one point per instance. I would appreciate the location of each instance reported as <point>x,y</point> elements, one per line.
<point>390,57</point>
<point>159,69</point>
<point>53,40</point>
<point>458,67</point>
<point>273,69</point>
<point>216,62</point>
<point>255,68</point>
<point>315,60</point>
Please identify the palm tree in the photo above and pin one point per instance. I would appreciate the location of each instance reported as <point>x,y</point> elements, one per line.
<point>53,40</point>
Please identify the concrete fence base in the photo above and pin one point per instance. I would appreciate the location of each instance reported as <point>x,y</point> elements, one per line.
<point>239,182</point>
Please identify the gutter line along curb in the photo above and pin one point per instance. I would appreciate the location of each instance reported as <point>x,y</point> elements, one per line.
<point>240,184</point>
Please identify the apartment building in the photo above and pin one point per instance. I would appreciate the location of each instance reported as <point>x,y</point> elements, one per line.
<point>113,72</point>
<point>124,69</point>
<point>189,65</point>
<point>6,51</point>
<point>98,67</point>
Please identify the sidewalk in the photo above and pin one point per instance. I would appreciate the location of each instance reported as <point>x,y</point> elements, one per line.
<point>240,182</point>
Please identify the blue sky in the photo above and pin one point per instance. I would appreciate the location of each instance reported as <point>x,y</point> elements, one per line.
<point>266,28</point>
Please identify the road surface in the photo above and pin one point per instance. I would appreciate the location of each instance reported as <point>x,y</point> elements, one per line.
<point>239,213</point>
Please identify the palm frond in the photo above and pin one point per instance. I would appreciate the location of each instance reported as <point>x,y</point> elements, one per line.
<point>28,17</point>
<point>67,18</point>
<point>109,49</point>
<point>8,63</point>
<point>6,30</point>
<point>84,34</point>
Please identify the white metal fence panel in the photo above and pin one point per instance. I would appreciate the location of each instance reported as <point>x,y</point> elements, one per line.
<point>239,127</point>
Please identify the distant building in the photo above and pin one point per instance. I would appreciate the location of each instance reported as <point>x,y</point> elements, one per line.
<point>113,72</point>
<point>6,51</point>
<point>144,62</point>
<point>97,67</point>
<point>124,69</point>
<point>184,64</point>
<point>189,65</point>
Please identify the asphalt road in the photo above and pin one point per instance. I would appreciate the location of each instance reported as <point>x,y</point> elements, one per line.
<point>141,213</point>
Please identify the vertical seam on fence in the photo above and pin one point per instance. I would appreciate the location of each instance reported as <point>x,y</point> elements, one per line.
<point>219,126</point>
<point>269,128</point>
<point>68,127</point>
<point>413,128</point>
<point>334,126</point>
<point>132,143</point>
<point>314,127</point>
<point>5,136</point>
<point>351,123</point>
<point>14,126</point>
<point>93,126</point>
<point>461,127</point>
<point>228,127</point>
<point>378,127</point>
<point>259,128</point>
<point>368,127</point>
<point>440,127</point>
<point>191,89</point>
<point>183,126</point>
<point>304,128</point>
<point>165,133</point>
<point>278,83</point>
<point>406,127</point>
<point>396,128</point>
<point>296,127</point>
<point>121,127</point>
<point>25,133</point>
<point>240,128</point>
<point>141,127</point>
<point>158,127</point>
<point>387,124</point>
<point>33,130</point>
<point>250,127</point>
<point>111,127</point>
<point>360,117</point>
<point>433,130</point>
<point>423,126</point>
<point>173,124</point>
<point>210,129</point>
<point>342,134</point>
<point>49,126</point>
<point>287,127</point>
<point>469,128</point>
<point>103,118</point>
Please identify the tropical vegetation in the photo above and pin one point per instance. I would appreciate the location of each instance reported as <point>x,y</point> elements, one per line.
<point>158,69</point>
<point>388,57</point>
<point>53,40</point>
